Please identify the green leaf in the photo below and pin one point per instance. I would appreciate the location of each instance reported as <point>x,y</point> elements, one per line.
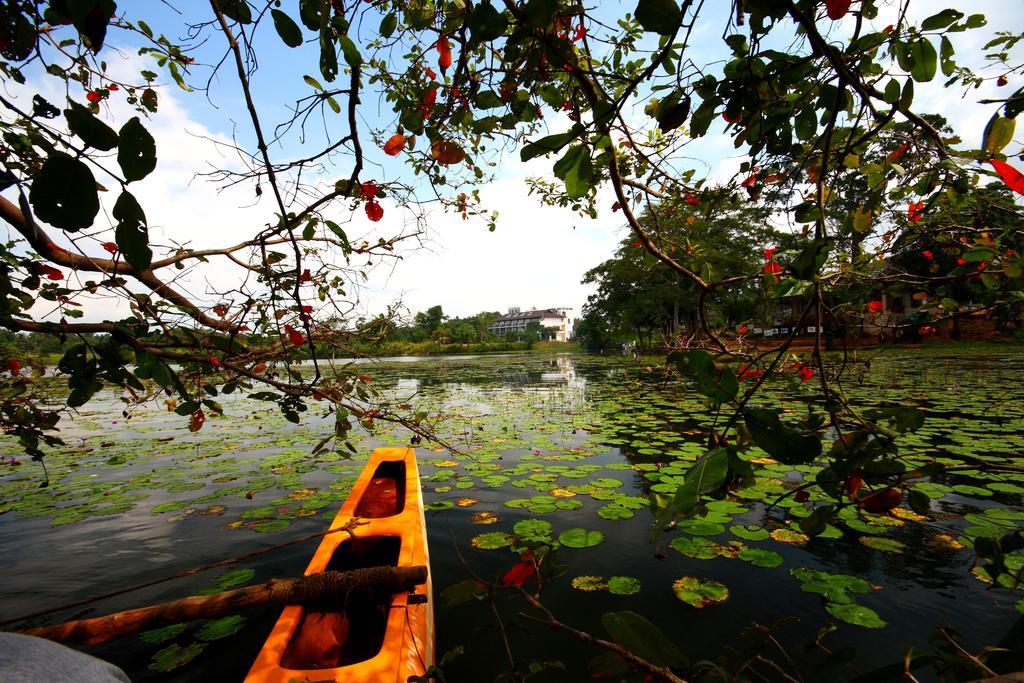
<point>577,170</point>
<point>93,132</point>
<point>749,532</point>
<point>941,19</point>
<point>639,636</point>
<point>486,23</point>
<point>221,628</point>
<point>946,62</point>
<point>919,502</point>
<point>388,25</point>
<point>782,443</point>
<point>924,60</point>
<point>659,16</point>
<point>237,10</point>
<point>551,143</point>
<point>700,592</point>
<point>811,259</point>
<point>136,150</point>
<point>761,558</point>
<point>623,585</point>
<point>64,193</point>
<point>580,538</point>
<point>286,27</point>
<point>162,635</point>
<point>855,614</point>
<point>540,13</point>
<point>492,540</point>
<point>309,13</point>
<point>91,18</point>
<point>419,14</point>
<point>815,523</point>
<point>718,383</point>
<point>672,111</point>
<point>131,235</point>
<point>328,56</point>
<point>998,134</point>
<point>351,52</point>
<point>174,656</point>
<point>892,91</point>
<point>235,577</point>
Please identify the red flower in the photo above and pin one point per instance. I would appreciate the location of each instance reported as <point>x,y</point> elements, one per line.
<point>113,87</point>
<point>214,361</point>
<point>806,373</point>
<point>1001,81</point>
<point>1011,176</point>
<point>928,255</point>
<point>368,189</point>
<point>749,372</point>
<point>853,484</point>
<point>518,574</point>
<point>743,330</point>
<point>306,309</point>
<point>294,336</point>
<point>638,243</point>
<point>876,306</point>
<point>837,9</point>
<point>961,262</point>
<point>374,211</point>
<point>768,253</point>
<point>751,179</point>
<point>887,29</point>
<point>220,310</point>
<point>394,145</point>
<point>731,119</point>
<point>109,247</point>
<point>772,268</point>
<point>50,272</point>
<point>429,73</point>
<point>13,366</point>
<point>982,266</point>
<point>444,53</point>
<point>915,211</point>
<point>580,33</point>
<point>306,276</point>
<point>365,378</point>
<point>94,96</point>
<point>691,199</point>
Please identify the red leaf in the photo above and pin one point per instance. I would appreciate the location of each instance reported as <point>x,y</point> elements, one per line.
<point>1001,81</point>
<point>429,73</point>
<point>853,484</point>
<point>195,423</point>
<point>109,247</point>
<point>365,378</point>
<point>616,206</point>
<point>580,33</point>
<point>876,306</point>
<point>691,199</point>
<point>427,104</point>
<point>220,310</point>
<point>394,145</point>
<point>743,330</point>
<point>259,367</point>
<point>13,366</point>
<point>94,96</point>
<point>928,255</point>
<point>731,119</point>
<point>837,9</point>
<point>518,574</point>
<point>306,276</point>
<point>749,373</point>
<point>1011,176</point>
<point>374,211</point>
<point>447,153</point>
<point>806,373</point>
<point>214,361</point>
<point>368,189</point>
<point>897,154</point>
<point>294,336</point>
<point>444,53</point>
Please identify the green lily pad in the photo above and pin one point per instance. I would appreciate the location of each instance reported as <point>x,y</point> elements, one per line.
<point>857,615</point>
<point>580,538</point>
<point>174,656</point>
<point>271,526</point>
<point>700,592</point>
<point>235,577</point>
<point>701,527</point>
<point>623,585</point>
<point>761,558</point>
<point>614,512</point>
<point>606,483</point>
<point>221,628</point>
<point>589,583</point>
<point>532,529</point>
<point>749,532</point>
<point>886,545</point>
<point>162,635</point>
<point>492,540</point>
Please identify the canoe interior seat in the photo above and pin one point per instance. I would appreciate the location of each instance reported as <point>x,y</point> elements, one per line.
<point>325,640</point>
<point>385,495</point>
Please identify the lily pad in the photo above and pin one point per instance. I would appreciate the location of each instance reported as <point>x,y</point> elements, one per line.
<point>857,615</point>
<point>162,635</point>
<point>886,545</point>
<point>761,558</point>
<point>614,512</point>
<point>749,532</point>
<point>533,529</point>
<point>235,577</point>
<point>623,585</point>
<point>221,628</point>
<point>589,583</point>
<point>580,538</point>
<point>492,540</point>
<point>174,656</point>
<point>700,592</point>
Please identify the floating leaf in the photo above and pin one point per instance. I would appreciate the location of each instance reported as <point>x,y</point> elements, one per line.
<point>789,536</point>
<point>761,558</point>
<point>589,583</point>
<point>700,592</point>
<point>580,538</point>
<point>749,532</point>
<point>174,656</point>
<point>492,540</point>
<point>162,635</point>
<point>221,628</point>
<point>483,518</point>
<point>886,545</point>
<point>623,585</point>
<point>235,577</point>
<point>533,529</point>
<point>857,615</point>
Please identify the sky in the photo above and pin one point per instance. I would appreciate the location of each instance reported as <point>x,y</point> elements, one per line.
<point>536,257</point>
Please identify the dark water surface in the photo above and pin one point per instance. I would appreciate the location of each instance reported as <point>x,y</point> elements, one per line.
<point>573,440</point>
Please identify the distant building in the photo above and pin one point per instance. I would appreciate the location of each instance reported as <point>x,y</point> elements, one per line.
<point>516,321</point>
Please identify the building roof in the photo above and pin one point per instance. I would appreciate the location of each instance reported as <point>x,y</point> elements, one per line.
<point>530,315</point>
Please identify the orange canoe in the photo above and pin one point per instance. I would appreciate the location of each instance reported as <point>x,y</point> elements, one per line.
<point>363,642</point>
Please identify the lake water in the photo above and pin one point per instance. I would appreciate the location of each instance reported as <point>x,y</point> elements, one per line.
<point>574,441</point>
